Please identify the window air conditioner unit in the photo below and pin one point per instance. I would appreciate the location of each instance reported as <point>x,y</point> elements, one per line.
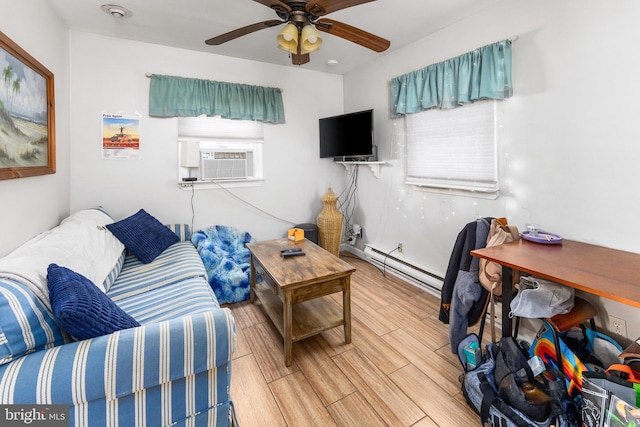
<point>225,164</point>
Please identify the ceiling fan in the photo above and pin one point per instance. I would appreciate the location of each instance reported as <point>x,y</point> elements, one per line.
<point>303,20</point>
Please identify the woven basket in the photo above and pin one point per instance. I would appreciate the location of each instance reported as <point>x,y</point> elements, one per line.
<point>330,224</point>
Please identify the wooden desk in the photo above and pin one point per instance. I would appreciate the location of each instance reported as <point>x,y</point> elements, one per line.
<point>597,270</point>
<point>293,290</point>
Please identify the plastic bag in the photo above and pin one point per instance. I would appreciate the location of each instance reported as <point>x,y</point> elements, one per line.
<point>540,298</point>
<point>608,400</point>
<point>621,413</point>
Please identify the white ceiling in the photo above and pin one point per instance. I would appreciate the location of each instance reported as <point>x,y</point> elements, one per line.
<point>188,23</point>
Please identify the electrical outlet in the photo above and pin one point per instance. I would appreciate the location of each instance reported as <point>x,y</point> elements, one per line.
<point>618,326</point>
<point>400,247</point>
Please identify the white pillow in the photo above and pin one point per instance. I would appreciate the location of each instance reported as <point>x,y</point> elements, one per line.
<point>81,243</point>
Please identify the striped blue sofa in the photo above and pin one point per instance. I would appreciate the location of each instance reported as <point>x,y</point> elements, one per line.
<point>174,369</point>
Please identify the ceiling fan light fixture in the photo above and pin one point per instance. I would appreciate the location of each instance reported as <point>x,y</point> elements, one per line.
<point>302,20</point>
<point>311,40</point>
<point>288,38</point>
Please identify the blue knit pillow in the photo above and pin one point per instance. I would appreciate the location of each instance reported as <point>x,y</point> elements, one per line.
<point>82,309</point>
<point>143,235</point>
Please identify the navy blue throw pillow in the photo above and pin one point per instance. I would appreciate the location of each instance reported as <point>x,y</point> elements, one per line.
<point>143,235</point>
<point>80,308</point>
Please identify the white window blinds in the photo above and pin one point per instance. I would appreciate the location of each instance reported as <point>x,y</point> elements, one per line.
<point>453,149</point>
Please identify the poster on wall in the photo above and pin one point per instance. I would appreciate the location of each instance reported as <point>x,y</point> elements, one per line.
<point>120,136</point>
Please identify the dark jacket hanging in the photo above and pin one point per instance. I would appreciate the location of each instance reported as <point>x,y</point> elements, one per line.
<point>462,274</point>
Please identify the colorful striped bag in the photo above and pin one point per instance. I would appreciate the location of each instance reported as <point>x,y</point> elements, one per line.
<point>544,347</point>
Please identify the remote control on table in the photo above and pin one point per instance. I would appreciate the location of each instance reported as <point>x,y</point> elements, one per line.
<point>292,252</point>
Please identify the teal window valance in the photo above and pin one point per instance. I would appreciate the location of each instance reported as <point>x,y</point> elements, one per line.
<point>484,73</point>
<point>184,97</point>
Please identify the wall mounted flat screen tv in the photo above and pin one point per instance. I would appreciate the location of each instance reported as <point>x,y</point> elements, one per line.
<point>348,137</point>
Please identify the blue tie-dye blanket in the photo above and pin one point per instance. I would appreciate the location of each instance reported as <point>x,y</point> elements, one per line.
<point>227,261</point>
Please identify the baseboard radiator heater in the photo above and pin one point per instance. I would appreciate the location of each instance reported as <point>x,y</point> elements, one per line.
<point>430,282</point>
<point>412,273</point>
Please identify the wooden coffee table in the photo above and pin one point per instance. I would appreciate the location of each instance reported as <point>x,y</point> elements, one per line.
<point>293,288</point>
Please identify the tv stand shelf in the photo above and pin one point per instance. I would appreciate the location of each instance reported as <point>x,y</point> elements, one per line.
<point>374,166</point>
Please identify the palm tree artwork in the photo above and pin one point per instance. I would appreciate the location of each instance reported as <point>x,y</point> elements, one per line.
<point>23,114</point>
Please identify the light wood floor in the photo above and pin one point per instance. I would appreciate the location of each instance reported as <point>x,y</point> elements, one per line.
<point>398,370</point>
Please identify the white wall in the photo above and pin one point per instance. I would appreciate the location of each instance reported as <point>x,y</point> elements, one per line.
<point>108,75</point>
<point>569,151</point>
<point>31,205</point>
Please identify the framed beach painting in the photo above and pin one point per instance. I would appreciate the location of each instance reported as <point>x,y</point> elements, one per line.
<point>27,120</point>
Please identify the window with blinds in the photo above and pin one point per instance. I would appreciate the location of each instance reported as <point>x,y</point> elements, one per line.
<point>454,149</point>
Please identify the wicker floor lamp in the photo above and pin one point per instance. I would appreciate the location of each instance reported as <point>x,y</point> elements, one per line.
<point>329,222</point>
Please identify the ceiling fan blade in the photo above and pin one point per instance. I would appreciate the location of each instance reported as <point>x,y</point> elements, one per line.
<point>223,38</point>
<point>353,34</point>
<point>324,7</point>
<point>275,4</point>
